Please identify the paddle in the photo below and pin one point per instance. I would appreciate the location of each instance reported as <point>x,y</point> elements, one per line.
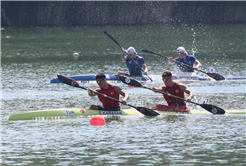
<point>211,108</point>
<point>124,50</point>
<point>215,76</point>
<point>70,81</point>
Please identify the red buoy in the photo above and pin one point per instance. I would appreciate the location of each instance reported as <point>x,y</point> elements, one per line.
<point>97,120</point>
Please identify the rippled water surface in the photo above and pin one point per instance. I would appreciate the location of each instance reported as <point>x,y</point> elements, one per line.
<point>32,57</point>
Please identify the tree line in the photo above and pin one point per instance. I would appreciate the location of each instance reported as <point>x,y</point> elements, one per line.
<point>118,13</point>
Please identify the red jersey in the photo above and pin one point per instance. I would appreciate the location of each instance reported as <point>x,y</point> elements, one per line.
<point>176,91</point>
<point>111,92</point>
<point>160,107</point>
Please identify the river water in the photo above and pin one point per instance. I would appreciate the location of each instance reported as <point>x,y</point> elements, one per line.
<point>31,57</point>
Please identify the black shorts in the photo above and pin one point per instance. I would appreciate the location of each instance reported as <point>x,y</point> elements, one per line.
<point>108,109</point>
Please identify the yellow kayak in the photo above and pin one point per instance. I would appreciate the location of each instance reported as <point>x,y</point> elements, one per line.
<point>65,112</point>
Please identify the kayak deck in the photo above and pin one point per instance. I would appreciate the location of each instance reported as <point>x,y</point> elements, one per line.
<point>65,112</point>
<point>89,78</point>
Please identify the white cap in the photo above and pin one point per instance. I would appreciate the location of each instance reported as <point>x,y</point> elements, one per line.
<point>181,49</point>
<point>131,50</point>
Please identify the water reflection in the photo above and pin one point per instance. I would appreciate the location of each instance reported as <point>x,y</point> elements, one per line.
<point>124,140</point>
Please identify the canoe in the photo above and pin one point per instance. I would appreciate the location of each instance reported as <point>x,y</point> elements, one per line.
<point>81,112</point>
<point>115,78</point>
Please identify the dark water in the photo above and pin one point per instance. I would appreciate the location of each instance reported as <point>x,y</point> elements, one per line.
<point>32,57</point>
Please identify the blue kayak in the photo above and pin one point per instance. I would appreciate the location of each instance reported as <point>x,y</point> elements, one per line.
<point>91,77</point>
<point>176,76</point>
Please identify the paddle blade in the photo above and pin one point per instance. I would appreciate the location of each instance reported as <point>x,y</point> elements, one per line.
<point>106,33</point>
<point>147,111</point>
<point>67,80</point>
<point>216,76</point>
<point>213,109</point>
<point>130,81</point>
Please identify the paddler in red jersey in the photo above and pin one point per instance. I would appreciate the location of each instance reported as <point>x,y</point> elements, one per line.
<point>110,90</point>
<point>175,89</point>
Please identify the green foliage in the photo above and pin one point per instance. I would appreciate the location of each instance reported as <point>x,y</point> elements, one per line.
<point>120,13</point>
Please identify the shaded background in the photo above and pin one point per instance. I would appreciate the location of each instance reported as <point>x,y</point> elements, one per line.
<point>101,13</point>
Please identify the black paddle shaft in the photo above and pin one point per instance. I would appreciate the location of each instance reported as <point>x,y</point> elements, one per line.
<point>106,33</point>
<point>215,76</point>
<point>71,82</point>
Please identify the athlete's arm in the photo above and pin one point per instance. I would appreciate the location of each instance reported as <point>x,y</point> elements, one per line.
<point>198,64</point>
<point>91,93</point>
<point>145,68</point>
<point>123,55</point>
<point>119,90</point>
<point>170,60</point>
<point>187,91</point>
<point>161,88</point>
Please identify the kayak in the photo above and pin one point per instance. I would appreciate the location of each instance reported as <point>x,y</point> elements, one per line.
<point>115,78</point>
<point>81,112</point>
<point>91,77</point>
<point>31,115</point>
<point>194,76</point>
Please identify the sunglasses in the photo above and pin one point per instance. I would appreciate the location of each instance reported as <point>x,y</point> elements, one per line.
<point>99,81</point>
<point>165,80</point>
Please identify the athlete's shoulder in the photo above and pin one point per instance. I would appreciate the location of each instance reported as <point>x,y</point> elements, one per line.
<point>140,59</point>
<point>182,86</point>
<point>115,86</point>
<point>191,56</point>
<point>176,83</point>
<point>111,85</point>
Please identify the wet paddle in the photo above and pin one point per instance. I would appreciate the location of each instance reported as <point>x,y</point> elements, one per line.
<point>124,50</point>
<point>215,76</point>
<point>210,108</point>
<point>71,82</point>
